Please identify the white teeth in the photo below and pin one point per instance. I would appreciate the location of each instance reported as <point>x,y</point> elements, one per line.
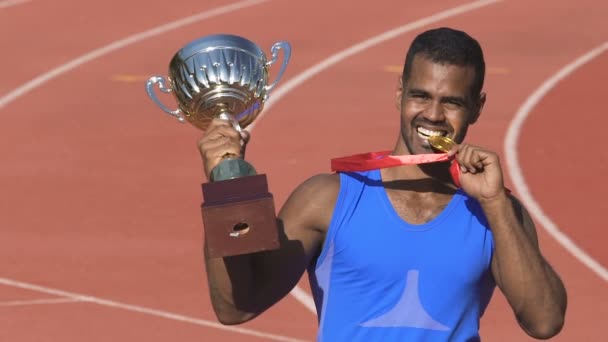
<point>429,133</point>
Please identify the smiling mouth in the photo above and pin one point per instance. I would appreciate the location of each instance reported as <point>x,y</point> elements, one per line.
<point>426,133</point>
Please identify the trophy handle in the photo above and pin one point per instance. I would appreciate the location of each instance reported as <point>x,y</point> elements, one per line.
<point>160,80</point>
<point>275,54</point>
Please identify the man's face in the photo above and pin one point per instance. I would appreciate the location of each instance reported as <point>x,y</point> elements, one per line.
<point>437,100</point>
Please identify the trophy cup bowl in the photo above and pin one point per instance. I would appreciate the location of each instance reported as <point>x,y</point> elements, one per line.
<point>227,76</point>
<point>219,76</point>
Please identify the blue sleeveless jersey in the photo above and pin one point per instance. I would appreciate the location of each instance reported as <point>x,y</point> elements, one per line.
<point>379,278</point>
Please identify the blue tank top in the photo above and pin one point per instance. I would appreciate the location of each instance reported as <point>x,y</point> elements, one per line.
<point>379,278</point>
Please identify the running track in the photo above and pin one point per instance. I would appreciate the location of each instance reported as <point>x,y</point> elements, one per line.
<point>101,231</point>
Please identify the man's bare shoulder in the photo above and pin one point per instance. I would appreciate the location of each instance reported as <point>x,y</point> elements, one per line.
<point>313,200</point>
<point>320,189</point>
<point>325,183</point>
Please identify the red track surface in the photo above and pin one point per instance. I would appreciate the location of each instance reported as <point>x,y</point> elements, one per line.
<point>100,189</point>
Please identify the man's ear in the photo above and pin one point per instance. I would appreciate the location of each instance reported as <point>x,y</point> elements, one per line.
<point>478,108</point>
<point>399,94</point>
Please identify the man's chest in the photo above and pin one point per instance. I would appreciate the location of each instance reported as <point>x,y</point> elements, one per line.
<point>417,209</point>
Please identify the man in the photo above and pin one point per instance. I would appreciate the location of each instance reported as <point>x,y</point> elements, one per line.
<point>402,253</point>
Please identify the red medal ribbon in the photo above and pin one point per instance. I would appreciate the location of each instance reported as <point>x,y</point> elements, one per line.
<point>383,159</point>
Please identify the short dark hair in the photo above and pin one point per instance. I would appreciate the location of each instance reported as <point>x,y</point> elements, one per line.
<point>449,46</point>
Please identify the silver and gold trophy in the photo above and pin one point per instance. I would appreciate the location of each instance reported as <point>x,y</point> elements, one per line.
<point>226,76</point>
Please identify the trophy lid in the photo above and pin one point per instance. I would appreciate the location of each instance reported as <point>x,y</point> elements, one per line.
<point>218,41</point>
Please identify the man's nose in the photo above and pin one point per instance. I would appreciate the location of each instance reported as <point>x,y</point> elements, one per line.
<point>435,112</point>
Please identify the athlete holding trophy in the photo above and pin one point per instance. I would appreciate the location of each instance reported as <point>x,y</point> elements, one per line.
<point>407,244</point>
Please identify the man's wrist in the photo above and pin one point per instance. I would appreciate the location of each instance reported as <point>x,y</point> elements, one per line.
<point>494,203</point>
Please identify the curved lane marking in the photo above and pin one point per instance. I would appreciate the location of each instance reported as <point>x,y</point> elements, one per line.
<point>515,170</point>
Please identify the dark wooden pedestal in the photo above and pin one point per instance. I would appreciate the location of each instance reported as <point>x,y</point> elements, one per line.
<point>239,216</point>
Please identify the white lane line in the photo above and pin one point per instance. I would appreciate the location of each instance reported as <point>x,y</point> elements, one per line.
<point>304,298</point>
<point>327,63</point>
<point>9,3</point>
<point>39,301</point>
<point>515,170</point>
<point>119,44</point>
<point>143,310</point>
<point>299,294</point>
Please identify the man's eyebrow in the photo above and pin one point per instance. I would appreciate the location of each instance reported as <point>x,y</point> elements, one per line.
<point>462,100</point>
<point>417,91</point>
<point>455,99</point>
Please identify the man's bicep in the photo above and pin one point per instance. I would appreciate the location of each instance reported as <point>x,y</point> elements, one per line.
<point>306,214</point>
<point>303,220</point>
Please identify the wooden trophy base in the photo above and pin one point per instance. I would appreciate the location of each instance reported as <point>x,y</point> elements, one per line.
<point>239,217</point>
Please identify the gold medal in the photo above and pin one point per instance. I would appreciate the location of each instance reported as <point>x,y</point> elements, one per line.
<point>443,144</point>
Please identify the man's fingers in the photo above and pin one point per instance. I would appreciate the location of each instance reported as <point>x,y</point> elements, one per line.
<point>216,154</point>
<point>453,151</point>
<point>220,127</point>
<point>214,143</point>
<point>462,157</point>
<point>245,135</point>
<point>223,131</point>
<point>478,160</point>
<point>219,140</point>
<point>471,158</point>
